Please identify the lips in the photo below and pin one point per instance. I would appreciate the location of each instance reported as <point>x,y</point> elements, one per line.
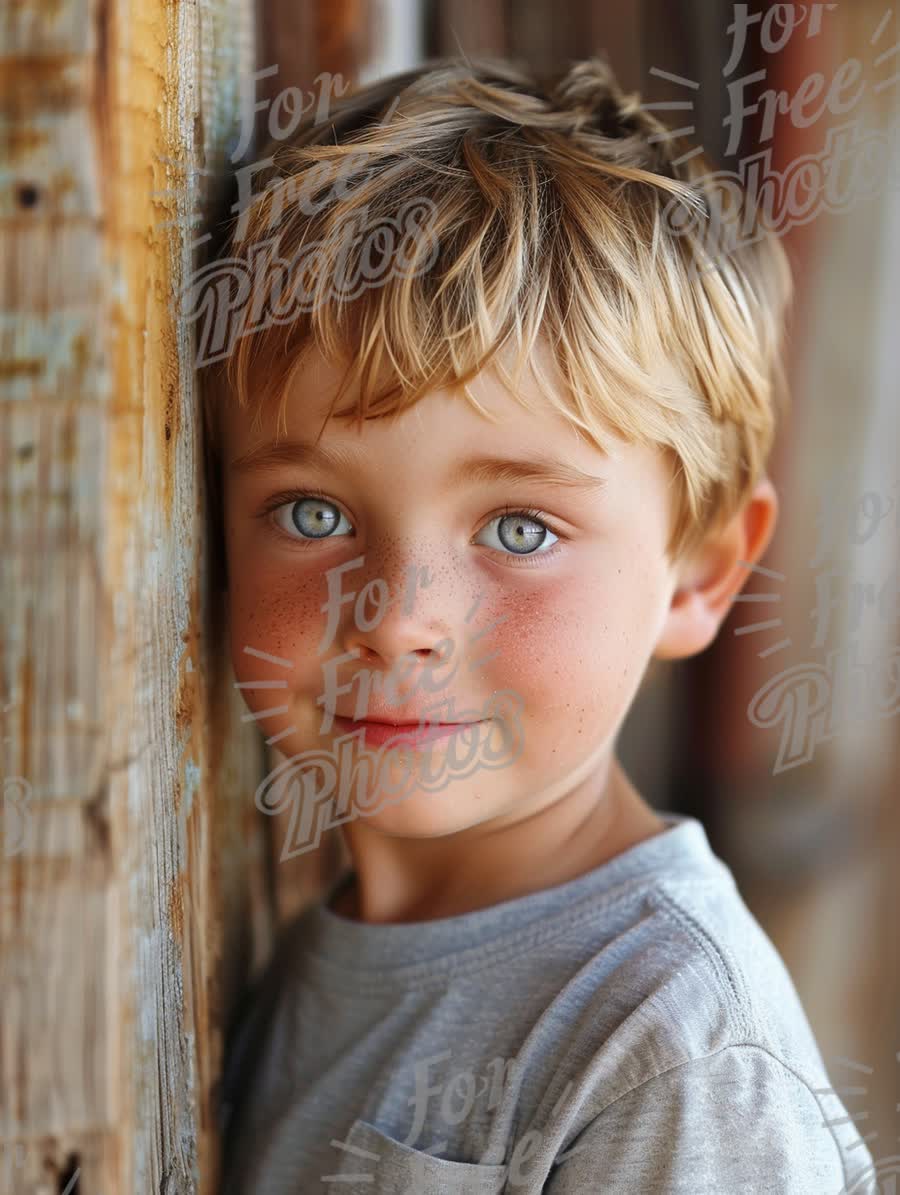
<point>376,732</point>
<point>396,721</point>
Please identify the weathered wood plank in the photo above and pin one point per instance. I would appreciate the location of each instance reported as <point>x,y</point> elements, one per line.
<point>128,831</point>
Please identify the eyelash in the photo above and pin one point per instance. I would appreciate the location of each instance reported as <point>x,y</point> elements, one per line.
<point>288,496</point>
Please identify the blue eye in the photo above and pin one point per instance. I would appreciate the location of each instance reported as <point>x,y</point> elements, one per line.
<point>307,516</point>
<point>521,533</point>
<point>310,517</point>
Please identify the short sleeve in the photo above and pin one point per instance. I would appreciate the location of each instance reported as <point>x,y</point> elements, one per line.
<point>737,1120</point>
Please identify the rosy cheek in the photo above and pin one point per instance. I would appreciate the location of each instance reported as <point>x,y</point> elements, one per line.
<point>570,652</point>
<point>541,636</point>
<point>278,615</point>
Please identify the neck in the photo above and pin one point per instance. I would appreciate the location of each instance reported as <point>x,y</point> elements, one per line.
<point>399,880</point>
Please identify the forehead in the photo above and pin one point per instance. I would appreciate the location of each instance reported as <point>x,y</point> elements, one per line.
<point>443,412</point>
<point>436,441</point>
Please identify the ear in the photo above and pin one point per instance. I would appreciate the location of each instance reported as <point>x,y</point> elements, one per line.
<point>715,573</point>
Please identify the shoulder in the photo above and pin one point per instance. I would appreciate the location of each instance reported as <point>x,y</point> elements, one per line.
<point>727,959</point>
<point>699,1068</point>
<point>739,1119</point>
<point>673,971</point>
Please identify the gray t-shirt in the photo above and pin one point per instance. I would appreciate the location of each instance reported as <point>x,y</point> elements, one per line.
<point>630,1031</point>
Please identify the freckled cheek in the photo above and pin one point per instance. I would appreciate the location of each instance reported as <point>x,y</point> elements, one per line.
<point>570,655</point>
<point>279,617</point>
<point>538,647</point>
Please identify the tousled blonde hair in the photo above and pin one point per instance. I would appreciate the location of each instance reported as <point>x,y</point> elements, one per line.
<point>554,208</point>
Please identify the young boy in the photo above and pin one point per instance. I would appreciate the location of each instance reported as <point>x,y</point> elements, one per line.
<point>549,471</point>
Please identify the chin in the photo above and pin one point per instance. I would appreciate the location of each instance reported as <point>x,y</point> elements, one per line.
<point>423,813</point>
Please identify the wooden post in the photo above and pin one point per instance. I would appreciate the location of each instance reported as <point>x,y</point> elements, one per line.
<point>127,842</point>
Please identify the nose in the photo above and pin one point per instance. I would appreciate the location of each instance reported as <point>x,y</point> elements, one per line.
<point>403,623</point>
<point>401,641</point>
<point>388,606</point>
<point>392,625</point>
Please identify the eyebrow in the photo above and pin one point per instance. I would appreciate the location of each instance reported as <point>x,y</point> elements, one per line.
<point>538,467</point>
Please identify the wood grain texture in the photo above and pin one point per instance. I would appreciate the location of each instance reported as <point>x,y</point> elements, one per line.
<point>128,848</point>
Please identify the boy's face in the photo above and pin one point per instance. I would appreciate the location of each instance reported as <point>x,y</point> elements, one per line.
<point>564,621</point>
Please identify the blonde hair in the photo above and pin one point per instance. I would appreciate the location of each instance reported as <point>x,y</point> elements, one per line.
<point>552,208</point>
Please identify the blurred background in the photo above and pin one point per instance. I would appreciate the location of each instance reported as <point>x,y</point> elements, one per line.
<point>140,887</point>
